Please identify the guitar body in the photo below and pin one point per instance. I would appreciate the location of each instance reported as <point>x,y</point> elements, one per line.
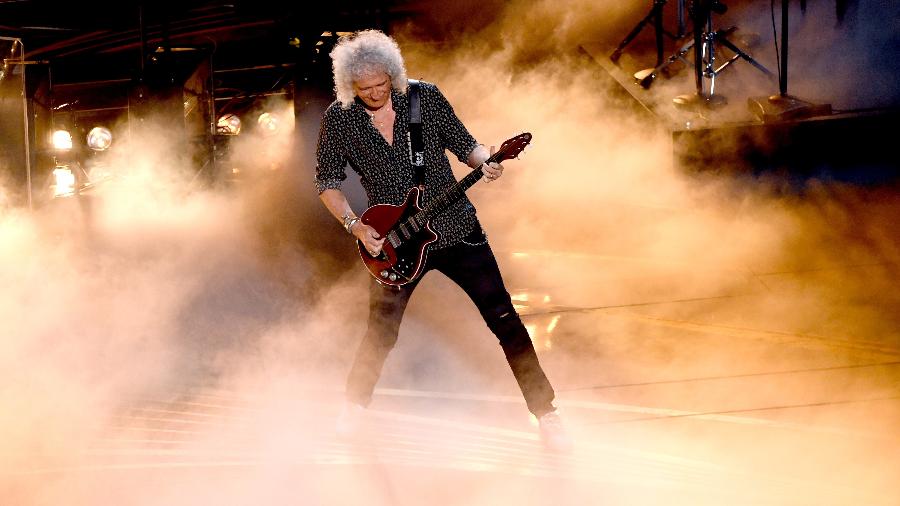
<point>403,254</point>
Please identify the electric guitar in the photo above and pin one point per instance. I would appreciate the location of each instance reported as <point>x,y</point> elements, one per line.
<point>407,227</point>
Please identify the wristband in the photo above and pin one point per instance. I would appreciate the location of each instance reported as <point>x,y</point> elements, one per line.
<point>348,224</point>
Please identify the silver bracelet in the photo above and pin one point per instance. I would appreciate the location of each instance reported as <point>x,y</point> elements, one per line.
<point>348,224</point>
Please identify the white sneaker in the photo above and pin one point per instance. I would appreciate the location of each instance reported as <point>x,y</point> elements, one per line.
<point>553,434</point>
<point>350,419</point>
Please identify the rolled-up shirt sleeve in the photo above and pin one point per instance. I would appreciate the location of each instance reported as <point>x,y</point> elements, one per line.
<point>330,162</point>
<point>454,134</point>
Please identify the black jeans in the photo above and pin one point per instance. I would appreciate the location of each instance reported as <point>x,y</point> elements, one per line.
<point>473,267</point>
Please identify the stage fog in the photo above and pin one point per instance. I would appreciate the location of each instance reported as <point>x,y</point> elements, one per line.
<point>660,300</point>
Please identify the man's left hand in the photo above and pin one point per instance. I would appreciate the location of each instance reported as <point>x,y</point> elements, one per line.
<point>492,171</point>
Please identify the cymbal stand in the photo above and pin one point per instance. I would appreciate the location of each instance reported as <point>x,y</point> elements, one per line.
<point>645,77</point>
<point>705,41</point>
<point>656,16</point>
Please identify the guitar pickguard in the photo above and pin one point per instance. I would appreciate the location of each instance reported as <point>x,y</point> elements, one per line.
<point>406,243</point>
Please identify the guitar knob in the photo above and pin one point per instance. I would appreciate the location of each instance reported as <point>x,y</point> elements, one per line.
<point>393,277</point>
<point>384,274</point>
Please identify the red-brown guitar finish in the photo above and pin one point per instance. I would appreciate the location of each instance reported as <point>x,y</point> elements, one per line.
<point>407,227</point>
<point>400,264</point>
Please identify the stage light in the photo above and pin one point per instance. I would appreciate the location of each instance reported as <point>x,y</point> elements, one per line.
<point>228,124</point>
<point>61,140</point>
<point>268,123</point>
<point>63,181</point>
<point>99,138</point>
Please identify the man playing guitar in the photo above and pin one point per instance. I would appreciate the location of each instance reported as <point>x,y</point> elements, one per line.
<point>367,128</point>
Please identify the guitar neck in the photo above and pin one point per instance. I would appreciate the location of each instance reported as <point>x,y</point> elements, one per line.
<point>457,191</point>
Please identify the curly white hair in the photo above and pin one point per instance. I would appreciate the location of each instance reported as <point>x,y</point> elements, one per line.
<point>362,53</point>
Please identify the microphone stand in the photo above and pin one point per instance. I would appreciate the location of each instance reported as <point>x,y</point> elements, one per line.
<point>784,106</point>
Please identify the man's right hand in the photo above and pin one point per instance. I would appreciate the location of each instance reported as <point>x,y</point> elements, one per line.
<point>368,237</point>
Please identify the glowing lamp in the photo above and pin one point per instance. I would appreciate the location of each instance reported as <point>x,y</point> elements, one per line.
<point>268,123</point>
<point>99,138</point>
<point>61,140</point>
<point>228,124</point>
<point>64,181</point>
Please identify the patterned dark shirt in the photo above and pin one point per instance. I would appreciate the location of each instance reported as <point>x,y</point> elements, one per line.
<point>348,137</point>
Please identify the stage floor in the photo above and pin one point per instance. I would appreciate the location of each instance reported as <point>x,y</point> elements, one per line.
<point>697,399</point>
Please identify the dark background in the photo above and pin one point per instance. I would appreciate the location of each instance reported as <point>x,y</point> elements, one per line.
<point>85,62</point>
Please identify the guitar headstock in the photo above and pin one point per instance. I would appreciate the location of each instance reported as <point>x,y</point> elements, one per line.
<point>512,147</point>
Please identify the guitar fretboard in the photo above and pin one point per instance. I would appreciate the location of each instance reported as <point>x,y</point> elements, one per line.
<point>405,229</point>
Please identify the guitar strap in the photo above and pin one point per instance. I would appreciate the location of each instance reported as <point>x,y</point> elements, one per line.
<point>416,142</point>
